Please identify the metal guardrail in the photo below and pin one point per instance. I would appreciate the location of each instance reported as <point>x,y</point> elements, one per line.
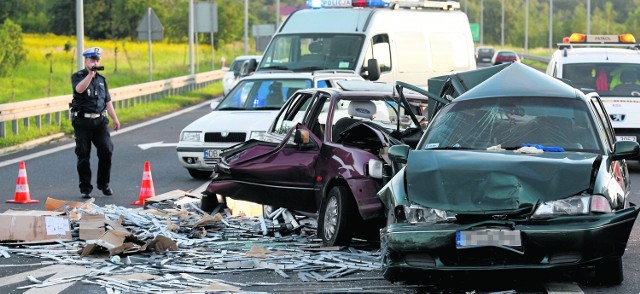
<point>536,58</point>
<point>52,108</point>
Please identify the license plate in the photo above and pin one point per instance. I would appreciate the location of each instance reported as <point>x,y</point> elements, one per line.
<point>211,153</point>
<point>486,59</point>
<point>626,138</point>
<point>488,237</point>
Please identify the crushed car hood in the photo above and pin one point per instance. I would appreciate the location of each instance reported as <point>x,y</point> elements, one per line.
<point>486,182</point>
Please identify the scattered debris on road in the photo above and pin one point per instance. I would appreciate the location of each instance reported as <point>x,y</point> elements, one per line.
<point>166,245</point>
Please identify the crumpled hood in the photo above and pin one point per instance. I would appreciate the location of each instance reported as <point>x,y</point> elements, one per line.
<point>234,121</point>
<point>484,181</point>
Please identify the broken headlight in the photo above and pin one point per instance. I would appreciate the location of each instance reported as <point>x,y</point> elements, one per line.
<point>419,214</point>
<point>575,205</point>
<point>190,136</point>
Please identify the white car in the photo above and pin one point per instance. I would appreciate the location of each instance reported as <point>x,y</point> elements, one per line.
<point>232,75</point>
<point>245,113</point>
<point>609,65</point>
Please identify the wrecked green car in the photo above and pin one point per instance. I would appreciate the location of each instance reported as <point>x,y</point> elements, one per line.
<point>516,170</point>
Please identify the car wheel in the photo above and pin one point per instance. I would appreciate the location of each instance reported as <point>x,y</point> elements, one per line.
<point>609,271</point>
<point>200,174</point>
<point>337,213</point>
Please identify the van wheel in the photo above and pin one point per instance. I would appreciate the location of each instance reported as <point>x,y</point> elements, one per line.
<point>199,174</point>
<point>609,271</point>
<point>337,214</point>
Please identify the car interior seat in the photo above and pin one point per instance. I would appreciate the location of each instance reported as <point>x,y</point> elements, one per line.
<point>361,109</point>
<point>274,98</point>
<point>627,84</point>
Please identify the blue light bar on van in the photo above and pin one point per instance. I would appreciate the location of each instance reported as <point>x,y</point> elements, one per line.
<point>370,3</point>
<point>346,3</point>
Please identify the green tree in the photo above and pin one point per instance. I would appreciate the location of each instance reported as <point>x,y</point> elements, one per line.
<point>62,17</point>
<point>632,23</point>
<point>12,51</point>
<point>230,21</point>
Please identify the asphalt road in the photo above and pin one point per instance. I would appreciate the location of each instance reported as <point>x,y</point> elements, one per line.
<point>51,173</point>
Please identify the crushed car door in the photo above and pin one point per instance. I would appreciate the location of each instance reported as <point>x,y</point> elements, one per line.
<point>286,173</point>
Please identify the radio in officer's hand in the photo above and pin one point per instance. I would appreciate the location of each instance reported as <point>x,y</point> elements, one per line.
<point>96,68</point>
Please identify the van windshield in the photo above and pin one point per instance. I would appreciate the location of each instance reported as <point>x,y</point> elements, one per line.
<point>309,52</point>
<point>608,79</point>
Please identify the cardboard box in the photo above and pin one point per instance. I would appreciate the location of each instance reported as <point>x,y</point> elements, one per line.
<point>33,226</point>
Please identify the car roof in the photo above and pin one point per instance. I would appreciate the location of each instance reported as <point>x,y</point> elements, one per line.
<point>243,57</point>
<point>301,75</point>
<point>518,80</point>
<point>596,55</point>
<point>376,90</point>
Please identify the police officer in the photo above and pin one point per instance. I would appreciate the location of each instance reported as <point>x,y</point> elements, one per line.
<point>91,102</point>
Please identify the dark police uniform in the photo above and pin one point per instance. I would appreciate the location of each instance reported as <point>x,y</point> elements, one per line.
<point>90,125</point>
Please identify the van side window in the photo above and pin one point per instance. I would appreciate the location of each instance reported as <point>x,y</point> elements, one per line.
<point>381,50</point>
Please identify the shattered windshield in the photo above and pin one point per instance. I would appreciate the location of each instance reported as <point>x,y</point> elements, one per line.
<point>511,122</point>
<point>608,79</point>
<point>309,52</point>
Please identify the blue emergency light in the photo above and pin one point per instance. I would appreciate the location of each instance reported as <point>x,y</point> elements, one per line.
<point>347,3</point>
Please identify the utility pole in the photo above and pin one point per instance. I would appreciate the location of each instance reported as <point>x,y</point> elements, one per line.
<point>79,33</point>
<point>191,31</point>
<point>526,26</point>
<point>588,17</point>
<point>246,27</point>
<point>277,14</point>
<point>502,27</point>
<point>550,26</point>
<point>481,22</point>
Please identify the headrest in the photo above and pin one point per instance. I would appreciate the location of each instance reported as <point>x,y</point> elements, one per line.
<point>628,76</point>
<point>364,109</point>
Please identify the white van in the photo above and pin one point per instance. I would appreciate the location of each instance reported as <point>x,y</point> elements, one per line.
<point>409,41</point>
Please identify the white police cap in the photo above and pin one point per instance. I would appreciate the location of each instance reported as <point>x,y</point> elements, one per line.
<point>93,52</point>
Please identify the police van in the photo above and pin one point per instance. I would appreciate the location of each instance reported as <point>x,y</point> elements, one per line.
<point>382,40</point>
<point>609,65</point>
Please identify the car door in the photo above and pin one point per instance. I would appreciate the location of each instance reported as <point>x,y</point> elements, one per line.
<point>286,172</point>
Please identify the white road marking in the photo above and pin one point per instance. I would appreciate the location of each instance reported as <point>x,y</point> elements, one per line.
<point>156,144</point>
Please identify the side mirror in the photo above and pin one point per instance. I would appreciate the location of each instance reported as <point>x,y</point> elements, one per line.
<point>373,70</point>
<point>625,150</point>
<point>248,67</point>
<point>399,153</point>
<point>214,104</point>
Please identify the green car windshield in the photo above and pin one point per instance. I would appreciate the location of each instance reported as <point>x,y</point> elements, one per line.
<point>511,122</point>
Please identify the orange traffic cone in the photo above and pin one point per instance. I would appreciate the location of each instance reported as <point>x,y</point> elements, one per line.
<point>146,187</point>
<point>22,187</point>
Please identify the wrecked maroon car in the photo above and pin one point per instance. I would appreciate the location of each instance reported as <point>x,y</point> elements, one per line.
<point>325,155</point>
